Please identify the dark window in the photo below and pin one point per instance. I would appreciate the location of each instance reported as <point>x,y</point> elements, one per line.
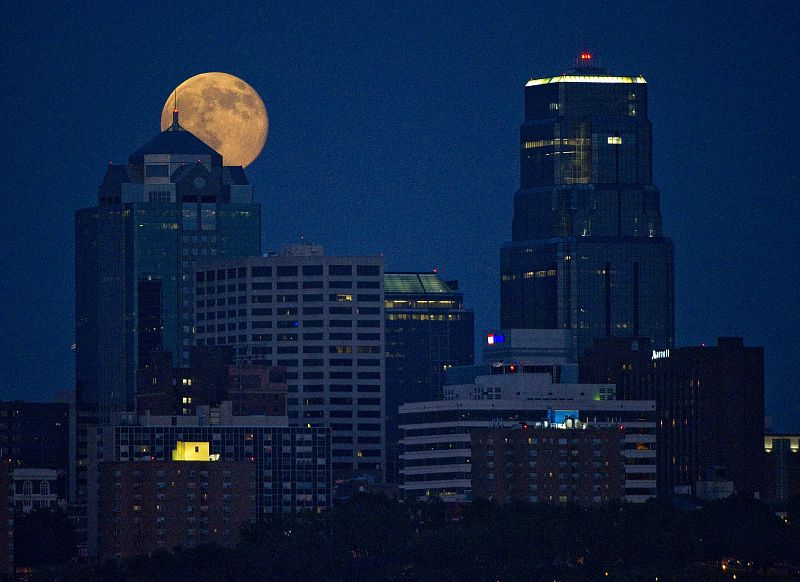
<point>340,336</point>
<point>312,337</point>
<point>368,270</point>
<point>157,170</point>
<point>261,271</point>
<point>287,285</point>
<point>287,271</point>
<point>367,297</point>
<point>312,284</point>
<point>368,285</point>
<point>369,336</point>
<point>261,286</point>
<point>312,310</point>
<point>340,285</point>
<point>338,270</point>
<point>312,270</point>
<point>341,323</point>
<point>312,298</point>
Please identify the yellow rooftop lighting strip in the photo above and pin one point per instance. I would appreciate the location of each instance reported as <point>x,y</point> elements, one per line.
<point>585,79</point>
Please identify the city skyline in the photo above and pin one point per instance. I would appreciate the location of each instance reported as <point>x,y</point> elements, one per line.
<point>404,154</point>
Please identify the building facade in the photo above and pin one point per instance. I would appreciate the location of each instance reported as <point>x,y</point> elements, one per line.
<point>162,505</point>
<point>587,252</point>
<point>709,401</point>
<point>175,203</point>
<point>581,466</point>
<point>428,331</point>
<point>322,319</point>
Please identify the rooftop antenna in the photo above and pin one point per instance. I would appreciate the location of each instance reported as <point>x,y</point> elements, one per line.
<point>586,58</point>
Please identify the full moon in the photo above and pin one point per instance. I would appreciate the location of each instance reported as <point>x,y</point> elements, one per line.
<point>224,112</point>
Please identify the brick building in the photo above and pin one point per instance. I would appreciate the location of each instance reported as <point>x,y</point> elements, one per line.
<point>164,504</point>
<point>580,466</point>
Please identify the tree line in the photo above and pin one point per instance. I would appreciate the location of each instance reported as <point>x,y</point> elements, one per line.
<point>374,539</point>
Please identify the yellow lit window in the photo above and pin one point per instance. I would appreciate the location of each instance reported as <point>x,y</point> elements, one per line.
<point>614,139</point>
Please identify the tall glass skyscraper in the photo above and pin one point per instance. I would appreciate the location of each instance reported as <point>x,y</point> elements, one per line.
<point>587,250</point>
<point>172,205</point>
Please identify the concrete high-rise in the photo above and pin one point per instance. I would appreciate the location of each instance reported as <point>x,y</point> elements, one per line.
<point>173,204</point>
<point>587,251</point>
<point>322,319</point>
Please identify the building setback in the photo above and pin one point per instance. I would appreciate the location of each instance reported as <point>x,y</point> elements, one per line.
<point>428,331</point>
<point>709,401</point>
<point>587,252</point>
<point>173,204</point>
<point>320,317</point>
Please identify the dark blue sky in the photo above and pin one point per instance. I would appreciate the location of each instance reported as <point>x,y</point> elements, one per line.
<point>395,130</point>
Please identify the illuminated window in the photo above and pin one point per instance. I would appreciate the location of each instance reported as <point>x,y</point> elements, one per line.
<point>614,140</point>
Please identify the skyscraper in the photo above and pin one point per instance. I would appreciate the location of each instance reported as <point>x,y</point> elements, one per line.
<point>428,331</point>
<point>587,251</point>
<point>173,204</point>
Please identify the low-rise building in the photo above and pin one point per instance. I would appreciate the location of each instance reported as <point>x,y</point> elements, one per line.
<point>36,489</point>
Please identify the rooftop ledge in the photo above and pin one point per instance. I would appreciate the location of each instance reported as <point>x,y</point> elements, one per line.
<point>585,79</point>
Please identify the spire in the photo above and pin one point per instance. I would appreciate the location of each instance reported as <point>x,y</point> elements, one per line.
<point>175,125</point>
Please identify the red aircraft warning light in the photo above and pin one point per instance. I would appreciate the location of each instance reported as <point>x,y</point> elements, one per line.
<point>586,56</point>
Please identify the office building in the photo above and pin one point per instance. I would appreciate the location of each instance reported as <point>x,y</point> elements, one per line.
<point>319,317</point>
<point>173,204</point>
<point>428,331</point>
<point>710,407</point>
<point>587,252</point>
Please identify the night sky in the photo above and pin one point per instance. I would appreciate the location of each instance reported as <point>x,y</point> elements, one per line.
<point>395,131</point>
